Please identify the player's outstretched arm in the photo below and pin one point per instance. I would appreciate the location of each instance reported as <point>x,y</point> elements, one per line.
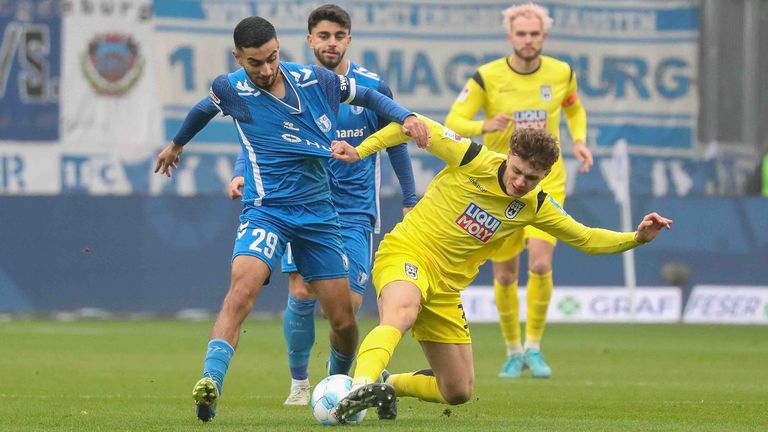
<point>651,226</point>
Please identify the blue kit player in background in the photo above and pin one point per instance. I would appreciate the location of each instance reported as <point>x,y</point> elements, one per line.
<point>285,115</point>
<point>354,191</point>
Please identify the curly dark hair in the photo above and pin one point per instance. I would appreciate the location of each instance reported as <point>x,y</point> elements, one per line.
<point>538,147</point>
<point>253,32</point>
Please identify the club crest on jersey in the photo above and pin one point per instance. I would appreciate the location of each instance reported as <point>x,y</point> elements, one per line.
<point>513,209</point>
<point>412,271</point>
<point>324,123</point>
<point>478,223</point>
<point>546,92</point>
<point>112,64</point>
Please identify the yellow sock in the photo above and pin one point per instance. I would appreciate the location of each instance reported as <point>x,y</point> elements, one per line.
<point>509,312</point>
<point>538,294</point>
<point>420,384</point>
<point>375,352</point>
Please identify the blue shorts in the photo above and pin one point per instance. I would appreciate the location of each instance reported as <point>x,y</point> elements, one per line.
<point>313,229</point>
<point>358,244</point>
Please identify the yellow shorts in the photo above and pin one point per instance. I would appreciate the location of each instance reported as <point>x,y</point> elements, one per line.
<point>441,314</point>
<point>515,243</point>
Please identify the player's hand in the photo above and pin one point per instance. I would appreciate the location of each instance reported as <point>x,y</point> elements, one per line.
<point>168,158</point>
<point>497,123</point>
<point>406,210</point>
<point>235,188</point>
<point>344,152</point>
<point>418,130</point>
<point>584,155</point>
<point>650,227</point>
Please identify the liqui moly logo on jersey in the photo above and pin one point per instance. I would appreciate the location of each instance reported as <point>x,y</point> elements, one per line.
<point>478,223</point>
<point>531,119</point>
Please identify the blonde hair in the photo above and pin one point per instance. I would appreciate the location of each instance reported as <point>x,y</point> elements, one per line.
<point>529,10</point>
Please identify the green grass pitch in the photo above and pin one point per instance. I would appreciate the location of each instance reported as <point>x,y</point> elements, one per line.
<point>138,376</point>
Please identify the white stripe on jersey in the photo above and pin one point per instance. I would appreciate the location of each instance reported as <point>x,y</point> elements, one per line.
<point>352,90</point>
<point>254,165</point>
<point>376,192</point>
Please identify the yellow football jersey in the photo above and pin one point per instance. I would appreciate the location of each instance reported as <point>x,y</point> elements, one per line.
<point>466,213</point>
<point>532,100</point>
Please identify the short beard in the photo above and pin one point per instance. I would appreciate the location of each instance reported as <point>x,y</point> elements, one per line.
<point>327,64</point>
<point>520,55</point>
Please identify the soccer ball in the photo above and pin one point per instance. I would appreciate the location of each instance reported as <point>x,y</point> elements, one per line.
<point>326,396</point>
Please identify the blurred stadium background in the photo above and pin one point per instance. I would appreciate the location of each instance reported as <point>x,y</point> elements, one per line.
<point>90,90</point>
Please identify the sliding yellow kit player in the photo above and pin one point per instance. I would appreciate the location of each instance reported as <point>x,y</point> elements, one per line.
<point>524,90</point>
<point>469,210</point>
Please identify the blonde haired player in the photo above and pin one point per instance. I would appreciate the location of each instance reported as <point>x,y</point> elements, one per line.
<point>524,90</point>
<point>469,210</point>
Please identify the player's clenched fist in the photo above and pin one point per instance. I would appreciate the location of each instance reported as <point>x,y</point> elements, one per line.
<point>344,152</point>
<point>168,158</point>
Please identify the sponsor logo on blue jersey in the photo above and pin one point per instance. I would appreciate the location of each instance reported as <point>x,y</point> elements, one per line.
<point>531,119</point>
<point>350,133</point>
<point>478,223</point>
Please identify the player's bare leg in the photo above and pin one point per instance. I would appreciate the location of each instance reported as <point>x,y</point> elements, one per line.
<point>538,293</point>
<point>505,274</point>
<point>453,367</point>
<point>248,276</point>
<point>336,301</point>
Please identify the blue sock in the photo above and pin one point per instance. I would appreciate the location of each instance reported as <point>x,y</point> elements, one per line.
<point>340,363</point>
<point>299,332</point>
<point>217,360</point>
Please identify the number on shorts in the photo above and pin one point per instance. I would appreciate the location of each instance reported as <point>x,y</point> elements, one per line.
<point>271,243</point>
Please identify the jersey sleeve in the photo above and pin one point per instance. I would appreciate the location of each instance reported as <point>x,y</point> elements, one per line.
<point>335,87</point>
<point>466,106</point>
<point>553,219</point>
<point>575,114</point>
<point>227,100</point>
<point>197,118</point>
<point>444,143</point>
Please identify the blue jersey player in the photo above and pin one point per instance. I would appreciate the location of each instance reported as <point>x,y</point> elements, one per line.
<point>354,191</point>
<point>285,116</point>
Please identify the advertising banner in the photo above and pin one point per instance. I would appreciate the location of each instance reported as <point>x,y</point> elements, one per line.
<point>586,304</point>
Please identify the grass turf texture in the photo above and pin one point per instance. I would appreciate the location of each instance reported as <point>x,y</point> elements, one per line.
<point>138,376</point>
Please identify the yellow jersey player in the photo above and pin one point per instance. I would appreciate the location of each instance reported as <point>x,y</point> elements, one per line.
<point>469,211</point>
<point>524,90</point>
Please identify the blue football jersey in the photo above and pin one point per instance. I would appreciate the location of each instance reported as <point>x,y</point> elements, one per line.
<point>355,187</point>
<point>286,145</point>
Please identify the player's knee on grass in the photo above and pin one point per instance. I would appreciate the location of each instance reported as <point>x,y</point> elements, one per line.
<point>457,393</point>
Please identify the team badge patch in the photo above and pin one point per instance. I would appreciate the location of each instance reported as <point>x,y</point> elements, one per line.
<point>546,93</point>
<point>324,123</point>
<point>452,135</point>
<point>112,64</point>
<point>356,110</point>
<point>478,223</point>
<point>412,271</point>
<point>464,94</point>
<point>513,209</point>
